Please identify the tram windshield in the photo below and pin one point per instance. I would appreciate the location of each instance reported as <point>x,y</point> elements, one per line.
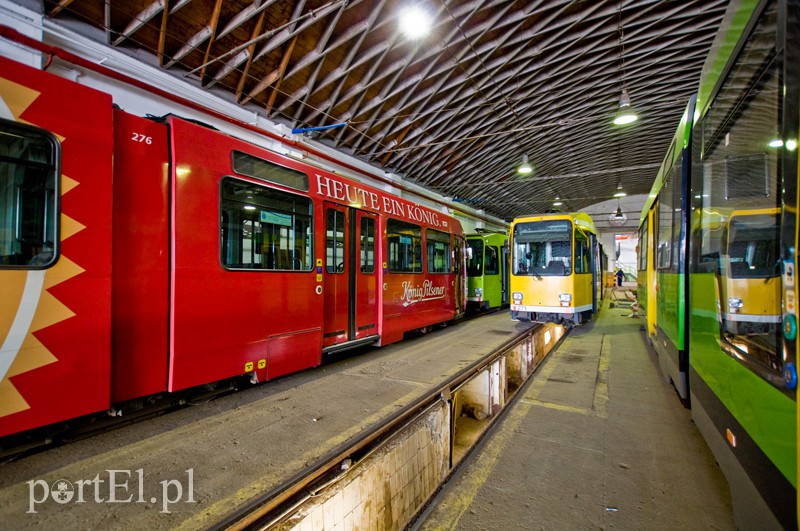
<point>753,246</point>
<point>543,248</point>
<point>475,262</point>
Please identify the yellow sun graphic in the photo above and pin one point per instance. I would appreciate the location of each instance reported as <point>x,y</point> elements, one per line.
<point>31,354</point>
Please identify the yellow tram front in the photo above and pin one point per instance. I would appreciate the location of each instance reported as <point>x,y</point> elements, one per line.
<point>553,273</point>
<point>749,275</point>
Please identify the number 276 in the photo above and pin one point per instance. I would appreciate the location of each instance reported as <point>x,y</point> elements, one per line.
<point>138,137</point>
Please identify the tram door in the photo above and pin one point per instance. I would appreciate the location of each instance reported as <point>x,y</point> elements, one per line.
<point>350,285</point>
<point>652,278</point>
<point>596,272</point>
<point>460,272</point>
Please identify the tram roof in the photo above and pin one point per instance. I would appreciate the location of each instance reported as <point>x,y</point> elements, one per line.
<point>579,219</point>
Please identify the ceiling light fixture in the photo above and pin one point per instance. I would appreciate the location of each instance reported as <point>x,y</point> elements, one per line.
<point>415,22</point>
<point>558,202</point>
<point>620,192</point>
<point>525,167</point>
<point>618,218</point>
<point>625,114</point>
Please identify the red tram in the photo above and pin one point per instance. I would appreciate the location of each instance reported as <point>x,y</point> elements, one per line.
<point>142,256</point>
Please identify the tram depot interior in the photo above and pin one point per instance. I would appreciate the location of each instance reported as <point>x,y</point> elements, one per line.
<point>461,119</point>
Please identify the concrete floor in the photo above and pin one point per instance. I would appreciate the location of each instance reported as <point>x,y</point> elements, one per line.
<point>598,441</point>
<point>236,446</point>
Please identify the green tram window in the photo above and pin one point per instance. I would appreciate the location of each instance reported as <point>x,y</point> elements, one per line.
<point>492,266</point>
<point>666,210</point>
<point>264,229</point>
<point>475,263</point>
<point>29,170</point>
<point>643,247</point>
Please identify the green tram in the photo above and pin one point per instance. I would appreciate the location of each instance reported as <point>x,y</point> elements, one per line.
<point>717,254</point>
<point>662,259</point>
<point>487,270</point>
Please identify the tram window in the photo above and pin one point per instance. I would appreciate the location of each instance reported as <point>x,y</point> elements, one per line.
<point>264,229</point>
<point>438,251</point>
<point>367,245</point>
<point>334,241</point>
<point>737,187</point>
<point>543,248</point>
<point>746,176</point>
<point>665,213</point>
<point>265,170</point>
<point>583,253</point>
<point>492,266</point>
<point>29,166</point>
<point>458,244</point>
<point>753,246</point>
<point>404,241</point>
<point>677,213</point>
<point>643,247</point>
<point>475,262</point>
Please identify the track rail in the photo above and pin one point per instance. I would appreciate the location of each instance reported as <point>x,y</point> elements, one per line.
<point>280,502</point>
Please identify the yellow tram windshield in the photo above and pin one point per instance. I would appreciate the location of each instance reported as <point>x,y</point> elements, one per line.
<point>753,246</point>
<point>543,248</point>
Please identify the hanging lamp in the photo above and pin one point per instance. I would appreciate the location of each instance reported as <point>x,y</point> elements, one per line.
<point>525,167</point>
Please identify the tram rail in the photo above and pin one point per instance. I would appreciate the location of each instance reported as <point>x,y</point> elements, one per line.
<point>281,507</point>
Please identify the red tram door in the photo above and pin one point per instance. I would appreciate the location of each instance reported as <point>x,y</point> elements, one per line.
<point>350,284</point>
<point>460,272</point>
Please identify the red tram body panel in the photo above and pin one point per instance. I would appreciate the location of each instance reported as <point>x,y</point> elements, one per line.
<point>140,282</point>
<point>186,256</point>
<point>226,321</point>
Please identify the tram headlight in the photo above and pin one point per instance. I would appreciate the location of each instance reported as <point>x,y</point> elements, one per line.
<point>734,304</point>
<point>479,292</point>
<point>565,298</point>
<point>517,296</point>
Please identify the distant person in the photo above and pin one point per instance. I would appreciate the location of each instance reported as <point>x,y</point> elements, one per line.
<point>619,275</point>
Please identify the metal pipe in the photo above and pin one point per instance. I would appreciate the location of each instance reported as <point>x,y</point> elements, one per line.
<point>320,128</point>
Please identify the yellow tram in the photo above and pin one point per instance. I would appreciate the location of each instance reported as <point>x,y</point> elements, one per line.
<point>557,268</point>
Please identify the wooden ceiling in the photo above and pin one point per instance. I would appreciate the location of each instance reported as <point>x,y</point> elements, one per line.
<point>455,111</point>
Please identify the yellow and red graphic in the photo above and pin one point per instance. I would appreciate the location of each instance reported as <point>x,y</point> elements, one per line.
<point>55,333</point>
<point>27,305</point>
